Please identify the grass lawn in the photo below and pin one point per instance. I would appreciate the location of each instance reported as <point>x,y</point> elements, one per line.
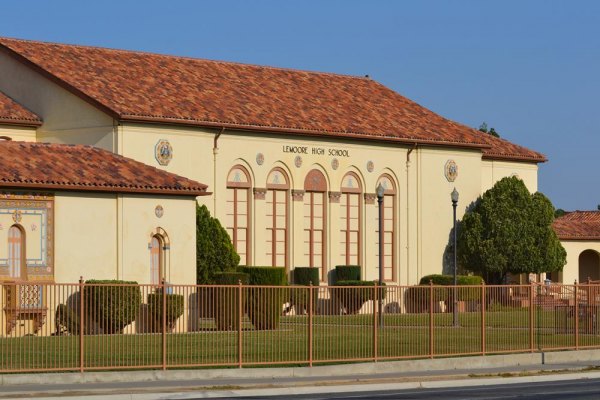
<point>334,338</point>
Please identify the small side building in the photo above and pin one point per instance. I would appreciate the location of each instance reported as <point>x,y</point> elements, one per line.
<point>579,233</point>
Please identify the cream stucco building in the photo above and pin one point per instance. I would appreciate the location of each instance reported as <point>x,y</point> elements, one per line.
<point>292,158</point>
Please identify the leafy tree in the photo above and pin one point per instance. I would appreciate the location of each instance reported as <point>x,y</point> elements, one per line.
<point>509,230</point>
<point>214,250</point>
<point>484,128</point>
<point>559,213</point>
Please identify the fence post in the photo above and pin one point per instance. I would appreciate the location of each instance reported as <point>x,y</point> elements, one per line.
<point>240,311</point>
<point>164,324</point>
<point>531,319</point>
<point>431,344</point>
<point>482,303</point>
<point>375,305</point>
<point>576,316</point>
<point>310,325</point>
<point>81,324</point>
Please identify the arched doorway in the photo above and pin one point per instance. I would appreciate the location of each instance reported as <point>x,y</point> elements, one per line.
<point>589,266</point>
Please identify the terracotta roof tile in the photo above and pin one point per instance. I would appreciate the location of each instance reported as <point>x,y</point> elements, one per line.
<point>578,225</point>
<point>85,168</point>
<point>12,113</point>
<point>138,86</point>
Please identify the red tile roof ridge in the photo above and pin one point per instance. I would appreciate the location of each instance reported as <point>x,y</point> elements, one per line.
<point>578,225</point>
<point>188,58</point>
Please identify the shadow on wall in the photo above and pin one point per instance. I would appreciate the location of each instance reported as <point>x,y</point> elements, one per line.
<point>448,256</point>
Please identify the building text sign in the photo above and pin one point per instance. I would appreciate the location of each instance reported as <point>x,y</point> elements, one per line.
<point>318,151</point>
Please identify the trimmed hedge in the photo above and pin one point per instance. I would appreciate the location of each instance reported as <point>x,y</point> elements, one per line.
<point>354,294</point>
<point>226,305</point>
<point>111,307</point>
<point>448,280</point>
<point>67,318</point>
<point>417,300</point>
<point>347,273</point>
<point>155,310</point>
<point>264,306</point>
<point>304,276</point>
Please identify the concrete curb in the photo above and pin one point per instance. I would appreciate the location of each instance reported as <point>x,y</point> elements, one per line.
<point>422,365</point>
<point>340,389</point>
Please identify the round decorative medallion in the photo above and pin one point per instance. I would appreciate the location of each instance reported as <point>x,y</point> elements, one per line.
<point>298,161</point>
<point>451,170</point>
<point>17,216</point>
<point>515,175</point>
<point>370,166</point>
<point>159,211</point>
<point>33,227</point>
<point>163,152</point>
<point>335,163</point>
<point>260,158</point>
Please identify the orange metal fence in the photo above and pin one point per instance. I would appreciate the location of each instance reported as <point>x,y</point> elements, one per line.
<point>93,326</point>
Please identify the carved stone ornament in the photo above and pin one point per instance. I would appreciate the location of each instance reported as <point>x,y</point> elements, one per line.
<point>451,170</point>
<point>260,158</point>
<point>17,216</point>
<point>298,195</point>
<point>335,163</point>
<point>370,198</point>
<point>370,166</point>
<point>260,193</point>
<point>298,161</point>
<point>163,152</point>
<point>159,211</point>
<point>334,197</point>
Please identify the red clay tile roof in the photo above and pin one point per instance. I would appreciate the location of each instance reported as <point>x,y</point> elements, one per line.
<point>136,86</point>
<point>578,225</point>
<point>12,113</point>
<point>47,166</point>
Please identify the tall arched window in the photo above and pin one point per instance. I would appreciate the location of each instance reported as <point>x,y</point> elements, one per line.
<point>315,223</point>
<point>277,200</point>
<point>350,222</point>
<point>16,253</point>
<point>238,211</point>
<point>389,234</point>
<point>157,259</point>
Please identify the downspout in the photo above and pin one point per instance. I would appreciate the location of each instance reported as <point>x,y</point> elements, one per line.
<point>215,152</point>
<point>407,213</point>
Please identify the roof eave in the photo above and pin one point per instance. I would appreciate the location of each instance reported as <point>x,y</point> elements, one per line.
<point>20,122</point>
<point>502,157</point>
<point>101,189</point>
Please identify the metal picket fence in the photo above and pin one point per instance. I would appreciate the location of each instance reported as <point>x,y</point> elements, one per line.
<point>94,326</point>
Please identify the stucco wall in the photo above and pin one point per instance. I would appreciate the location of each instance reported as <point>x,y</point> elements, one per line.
<point>574,249</point>
<point>67,118</point>
<point>492,171</point>
<point>18,133</point>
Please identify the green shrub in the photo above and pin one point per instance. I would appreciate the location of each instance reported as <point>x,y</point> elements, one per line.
<point>226,306</point>
<point>304,276</point>
<point>416,299</point>
<point>112,307</point>
<point>68,319</point>
<point>420,301</point>
<point>264,305</point>
<point>352,295</point>
<point>347,273</point>
<point>448,280</point>
<point>174,306</point>
<point>214,251</point>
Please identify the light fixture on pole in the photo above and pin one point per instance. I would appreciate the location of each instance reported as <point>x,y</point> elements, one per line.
<point>380,192</point>
<point>454,198</point>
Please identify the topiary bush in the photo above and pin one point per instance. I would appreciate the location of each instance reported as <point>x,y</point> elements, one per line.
<point>347,273</point>
<point>226,305</point>
<point>446,294</point>
<point>304,276</point>
<point>352,295</point>
<point>214,250</point>
<point>174,307</point>
<point>264,305</point>
<point>67,319</point>
<point>111,307</point>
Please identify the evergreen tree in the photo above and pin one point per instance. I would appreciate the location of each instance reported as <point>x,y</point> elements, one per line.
<point>509,230</point>
<point>214,250</point>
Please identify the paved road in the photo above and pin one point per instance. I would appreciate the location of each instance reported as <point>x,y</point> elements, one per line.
<point>581,389</point>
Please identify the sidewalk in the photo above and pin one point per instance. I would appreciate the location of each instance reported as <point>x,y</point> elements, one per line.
<point>147,385</point>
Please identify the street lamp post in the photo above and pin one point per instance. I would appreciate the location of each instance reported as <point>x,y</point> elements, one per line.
<point>454,197</point>
<point>380,192</point>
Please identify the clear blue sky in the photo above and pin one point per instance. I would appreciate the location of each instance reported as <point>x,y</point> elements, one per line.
<point>528,68</point>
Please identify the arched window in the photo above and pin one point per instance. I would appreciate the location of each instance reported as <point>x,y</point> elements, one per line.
<point>350,223</point>
<point>389,234</point>
<point>315,223</point>
<point>16,253</point>
<point>277,200</point>
<point>157,259</point>
<point>238,211</point>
